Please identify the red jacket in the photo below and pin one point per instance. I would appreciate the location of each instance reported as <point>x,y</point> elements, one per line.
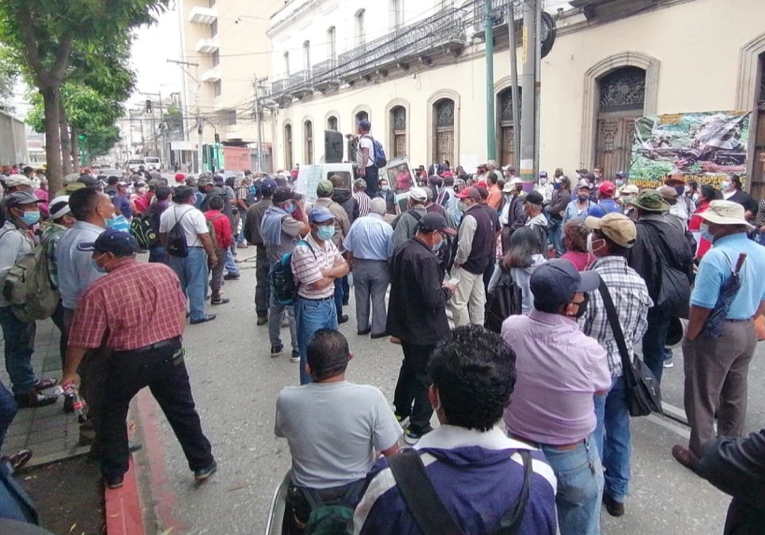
<point>222,228</point>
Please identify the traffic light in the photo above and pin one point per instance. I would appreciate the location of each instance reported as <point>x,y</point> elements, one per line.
<point>148,105</point>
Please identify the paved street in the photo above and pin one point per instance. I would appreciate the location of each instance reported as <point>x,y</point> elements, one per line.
<point>235,384</point>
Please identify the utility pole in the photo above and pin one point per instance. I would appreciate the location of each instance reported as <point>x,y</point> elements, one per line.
<point>528,97</point>
<point>184,99</point>
<point>491,138</point>
<point>514,80</point>
<point>258,120</point>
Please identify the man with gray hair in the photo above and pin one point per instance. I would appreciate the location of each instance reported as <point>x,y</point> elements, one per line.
<point>361,198</point>
<point>369,242</point>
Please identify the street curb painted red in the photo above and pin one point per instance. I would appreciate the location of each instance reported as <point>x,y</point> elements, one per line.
<point>123,507</point>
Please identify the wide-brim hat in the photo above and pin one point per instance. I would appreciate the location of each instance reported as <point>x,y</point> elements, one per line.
<point>725,213</point>
<point>650,200</point>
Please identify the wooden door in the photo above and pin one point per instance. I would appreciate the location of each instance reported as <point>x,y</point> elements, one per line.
<point>507,144</point>
<point>445,145</point>
<point>613,148</point>
<point>399,144</point>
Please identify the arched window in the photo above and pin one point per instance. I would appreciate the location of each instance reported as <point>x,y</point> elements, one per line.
<point>308,142</point>
<point>398,131</point>
<point>332,44</point>
<point>362,116</point>
<point>331,122</point>
<point>443,130</point>
<point>359,28</point>
<point>287,63</point>
<point>621,100</point>
<point>307,56</point>
<point>506,129</point>
<point>288,147</point>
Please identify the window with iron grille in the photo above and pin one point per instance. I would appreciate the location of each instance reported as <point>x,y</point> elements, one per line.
<point>217,88</point>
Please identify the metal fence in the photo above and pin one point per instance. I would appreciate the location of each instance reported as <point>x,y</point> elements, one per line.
<point>13,140</point>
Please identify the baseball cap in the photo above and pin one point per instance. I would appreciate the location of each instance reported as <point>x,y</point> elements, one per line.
<point>588,176</point>
<point>268,186</point>
<point>218,179</point>
<point>583,184</point>
<point>616,227</point>
<point>117,242</point>
<point>17,180</point>
<point>630,189</point>
<point>180,177</point>
<point>283,194</point>
<point>59,207</point>
<point>320,214</point>
<point>324,187</point>
<point>534,197</point>
<point>669,194</point>
<point>432,222</point>
<point>607,188</point>
<point>204,180</point>
<point>470,193</point>
<point>419,194</point>
<point>543,174</point>
<point>19,198</point>
<point>556,282</point>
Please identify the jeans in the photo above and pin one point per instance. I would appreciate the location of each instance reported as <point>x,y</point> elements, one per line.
<point>58,321</point>
<point>310,316</point>
<point>158,254</point>
<point>262,286</point>
<point>370,176</point>
<point>614,439</point>
<point>655,340</point>
<point>8,409</point>
<point>412,387</point>
<point>231,267</point>
<point>370,281</point>
<point>338,297</point>
<point>192,272</point>
<point>19,346</point>
<point>275,317</point>
<point>168,381</point>
<point>556,238</point>
<point>580,487</point>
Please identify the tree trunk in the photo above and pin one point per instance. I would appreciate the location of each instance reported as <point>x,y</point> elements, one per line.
<point>66,147</point>
<point>75,146</point>
<point>51,97</point>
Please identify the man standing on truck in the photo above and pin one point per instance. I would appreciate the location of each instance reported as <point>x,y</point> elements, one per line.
<point>365,158</point>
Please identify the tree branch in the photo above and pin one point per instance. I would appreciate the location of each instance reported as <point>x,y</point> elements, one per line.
<point>30,43</point>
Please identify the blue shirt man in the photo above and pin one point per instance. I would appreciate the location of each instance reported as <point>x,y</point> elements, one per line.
<point>713,360</point>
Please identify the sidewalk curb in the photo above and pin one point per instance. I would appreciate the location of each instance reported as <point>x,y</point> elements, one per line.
<point>122,507</point>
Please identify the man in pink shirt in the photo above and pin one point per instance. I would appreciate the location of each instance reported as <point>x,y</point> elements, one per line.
<point>559,370</point>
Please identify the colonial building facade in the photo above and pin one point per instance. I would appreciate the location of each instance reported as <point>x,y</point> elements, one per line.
<point>417,70</point>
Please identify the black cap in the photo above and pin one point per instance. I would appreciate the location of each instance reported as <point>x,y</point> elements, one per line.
<point>20,198</point>
<point>556,282</point>
<point>117,242</point>
<point>88,180</point>
<point>534,197</point>
<point>283,194</point>
<point>432,222</point>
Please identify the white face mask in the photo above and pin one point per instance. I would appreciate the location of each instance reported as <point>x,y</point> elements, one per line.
<point>725,186</point>
<point>590,248</point>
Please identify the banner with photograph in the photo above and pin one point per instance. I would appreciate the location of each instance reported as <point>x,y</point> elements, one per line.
<point>704,147</point>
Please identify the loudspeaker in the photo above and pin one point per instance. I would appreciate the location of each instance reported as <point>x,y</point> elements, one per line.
<point>333,146</point>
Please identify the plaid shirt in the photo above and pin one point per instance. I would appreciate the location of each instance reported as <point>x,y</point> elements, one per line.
<point>631,299</point>
<point>134,305</point>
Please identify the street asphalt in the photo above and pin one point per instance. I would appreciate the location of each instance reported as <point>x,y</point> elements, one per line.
<point>235,383</point>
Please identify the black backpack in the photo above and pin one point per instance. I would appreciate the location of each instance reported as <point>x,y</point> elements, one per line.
<point>143,231</point>
<point>176,239</point>
<point>502,302</point>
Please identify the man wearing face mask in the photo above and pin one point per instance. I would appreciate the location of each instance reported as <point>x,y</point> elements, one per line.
<point>417,316</point>
<point>717,368</point>
<point>405,225</point>
<point>512,216</point>
<point>684,207</point>
<point>16,240</point>
<point>316,265</point>
<point>620,180</point>
<point>628,193</point>
<point>611,237</point>
<point>544,187</point>
<point>559,370</point>
<point>554,210</point>
<point>141,325</point>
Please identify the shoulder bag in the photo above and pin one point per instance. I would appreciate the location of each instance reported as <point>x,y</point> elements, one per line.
<point>642,388</point>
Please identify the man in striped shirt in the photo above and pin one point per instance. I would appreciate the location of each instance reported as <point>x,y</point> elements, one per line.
<point>611,238</point>
<point>362,199</point>
<point>316,263</point>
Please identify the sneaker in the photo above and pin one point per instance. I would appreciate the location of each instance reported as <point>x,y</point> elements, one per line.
<point>231,277</point>
<point>262,320</point>
<point>203,473</point>
<point>413,437</point>
<point>276,351</point>
<point>295,356</point>
<point>669,363</point>
<point>403,421</point>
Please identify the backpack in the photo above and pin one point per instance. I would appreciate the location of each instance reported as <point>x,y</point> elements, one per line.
<point>502,302</point>
<point>28,287</point>
<point>143,231</point>
<point>336,517</point>
<point>176,239</point>
<point>379,159</point>
<point>283,285</point>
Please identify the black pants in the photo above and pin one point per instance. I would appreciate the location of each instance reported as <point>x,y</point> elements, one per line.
<point>371,176</point>
<point>412,386</point>
<point>262,287</point>
<point>168,381</point>
<point>58,321</point>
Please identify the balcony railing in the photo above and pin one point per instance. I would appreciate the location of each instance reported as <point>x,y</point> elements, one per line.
<point>499,12</point>
<point>445,29</point>
<point>207,45</point>
<point>203,15</point>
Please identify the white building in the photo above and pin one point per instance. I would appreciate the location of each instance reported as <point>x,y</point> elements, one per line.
<point>416,69</point>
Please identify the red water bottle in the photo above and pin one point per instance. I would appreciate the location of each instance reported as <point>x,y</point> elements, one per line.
<point>77,403</point>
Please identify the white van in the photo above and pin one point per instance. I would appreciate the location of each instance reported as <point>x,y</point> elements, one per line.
<point>153,163</point>
<point>134,163</point>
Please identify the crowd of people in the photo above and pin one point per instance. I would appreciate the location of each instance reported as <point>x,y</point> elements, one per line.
<point>542,402</point>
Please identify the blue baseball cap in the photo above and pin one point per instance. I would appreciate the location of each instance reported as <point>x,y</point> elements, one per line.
<point>267,186</point>
<point>117,242</point>
<point>319,214</point>
<point>556,282</point>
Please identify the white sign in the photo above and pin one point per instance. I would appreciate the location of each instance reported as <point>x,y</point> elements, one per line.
<point>182,145</point>
<point>469,162</point>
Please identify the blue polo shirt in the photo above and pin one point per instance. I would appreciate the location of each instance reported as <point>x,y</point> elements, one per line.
<point>716,267</point>
<point>370,238</point>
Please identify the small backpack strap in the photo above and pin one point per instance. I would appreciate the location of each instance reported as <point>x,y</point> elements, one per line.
<point>511,522</point>
<point>421,499</point>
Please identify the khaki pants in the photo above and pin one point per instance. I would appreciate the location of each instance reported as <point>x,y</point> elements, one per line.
<point>469,301</point>
<point>716,372</point>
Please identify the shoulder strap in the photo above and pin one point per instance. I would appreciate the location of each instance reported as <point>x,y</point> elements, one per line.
<point>415,214</point>
<point>305,242</point>
<point>429,512</point>
<point>511,522</point>
<point>613,320</point>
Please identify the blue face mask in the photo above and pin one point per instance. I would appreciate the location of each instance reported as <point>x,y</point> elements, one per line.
<point>289,208</point>
<point>325,233</point>
<point>98,268</point>
<point>706,234</point>
<point>118,223</point>
<point>437,246</point>
<point>30,218</point>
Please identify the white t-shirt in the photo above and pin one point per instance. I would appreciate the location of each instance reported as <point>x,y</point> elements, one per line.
<point>333,431</point>
<point>193,222</point>
<point>365,142</point>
